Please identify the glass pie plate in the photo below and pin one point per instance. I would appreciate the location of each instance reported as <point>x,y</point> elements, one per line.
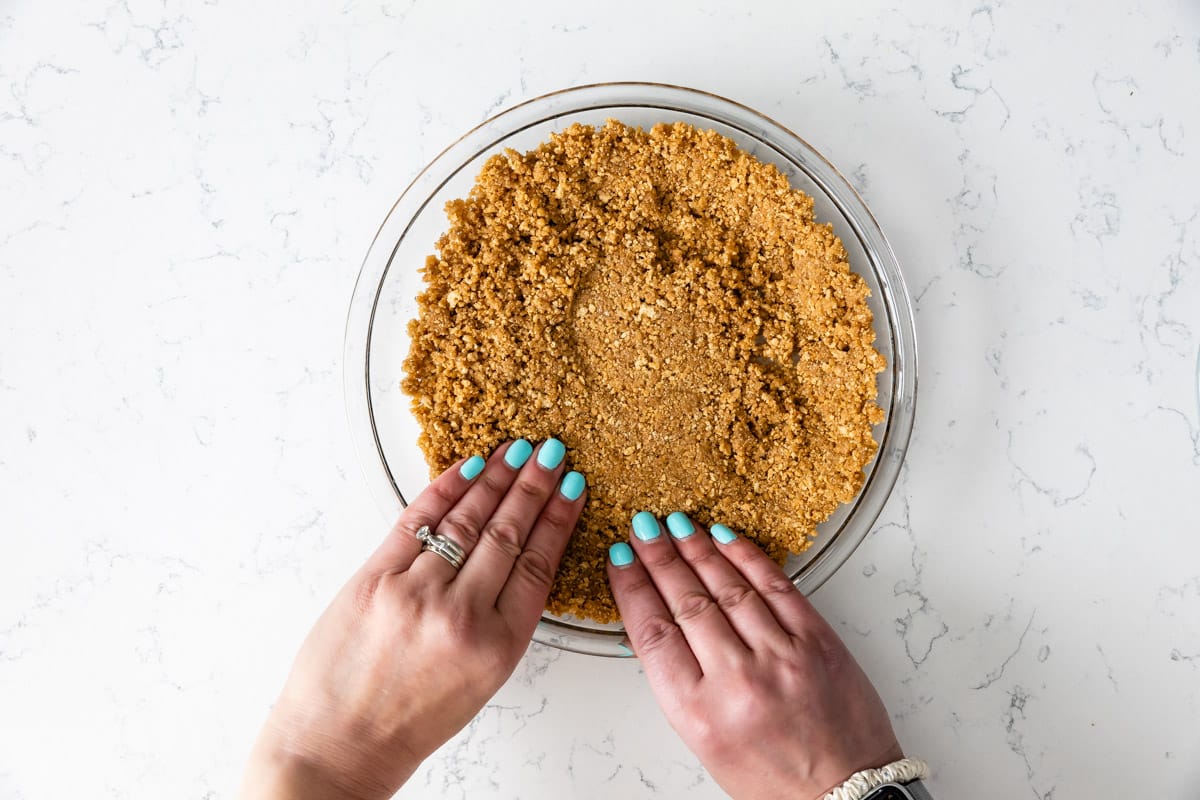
<point>384,429</point>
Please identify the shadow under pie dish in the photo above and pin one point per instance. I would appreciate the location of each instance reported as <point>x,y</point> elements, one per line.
<point>690,307</point>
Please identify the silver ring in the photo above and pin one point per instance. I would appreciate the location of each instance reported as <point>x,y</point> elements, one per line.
<point>445,547</point>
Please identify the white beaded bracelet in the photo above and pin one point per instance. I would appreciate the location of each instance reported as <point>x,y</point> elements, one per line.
<point>859,785</point>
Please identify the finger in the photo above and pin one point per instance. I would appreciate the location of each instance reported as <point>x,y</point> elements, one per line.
<point>503,536</point>
<point>671,666</point>
<point>524,593</point>
<point>795,614</point>
<point>708,632</point>
<point>744,607</point>
<point>466,517</point>
<point>398,550</point>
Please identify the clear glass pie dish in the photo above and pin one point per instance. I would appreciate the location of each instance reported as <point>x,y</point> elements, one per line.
<point>385,299</point>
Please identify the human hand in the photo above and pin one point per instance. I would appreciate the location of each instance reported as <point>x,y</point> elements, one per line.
<point>411,648</point>
<point>749,675</point>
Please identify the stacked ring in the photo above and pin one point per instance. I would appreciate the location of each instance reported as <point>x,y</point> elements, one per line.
<point>443,546</point>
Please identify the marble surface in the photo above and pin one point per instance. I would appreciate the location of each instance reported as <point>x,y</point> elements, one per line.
<point>187,188</point>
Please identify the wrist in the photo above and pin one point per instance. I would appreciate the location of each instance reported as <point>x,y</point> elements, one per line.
<point>888,782</point>
<point>283,767</point>
<point>275,775</point>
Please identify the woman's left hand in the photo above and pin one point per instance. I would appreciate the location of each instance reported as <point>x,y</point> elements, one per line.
<point>412,648</point>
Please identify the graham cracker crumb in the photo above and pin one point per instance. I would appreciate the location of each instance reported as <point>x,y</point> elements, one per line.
<point>666,305</point>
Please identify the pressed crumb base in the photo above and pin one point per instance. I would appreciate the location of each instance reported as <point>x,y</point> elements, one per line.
<point>664,304</point>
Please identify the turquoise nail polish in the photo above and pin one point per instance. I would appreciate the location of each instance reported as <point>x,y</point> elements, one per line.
<point>645,526</point>
<point>551,454</point>
<point>472,467</point>
<point>518,453</point>
<point>620,554</point>
<point>572,486</point>
<point>679,525</point>
<point>722,534</point>
<point>628,650</point>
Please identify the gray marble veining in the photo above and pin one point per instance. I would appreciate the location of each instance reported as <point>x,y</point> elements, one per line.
<point>187,188</point>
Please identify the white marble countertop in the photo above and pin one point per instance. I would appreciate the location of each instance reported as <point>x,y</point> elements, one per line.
<point>187,188</point>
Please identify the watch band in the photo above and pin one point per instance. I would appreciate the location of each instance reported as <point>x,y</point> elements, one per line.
<point>913,790</point>
<point>918,791</point>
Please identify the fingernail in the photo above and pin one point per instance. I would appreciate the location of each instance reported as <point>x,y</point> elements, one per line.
<point>645,526</point>
<point>551,454</point>
<point>722,534</point>
<point>572,485</point>
<point>679,525</point>
<point>518,453</point>
<point>472,467</point>
<point>628,650</point>
<point>620,554</point>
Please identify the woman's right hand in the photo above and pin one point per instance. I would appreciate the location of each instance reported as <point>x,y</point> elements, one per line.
<point>749,675</point>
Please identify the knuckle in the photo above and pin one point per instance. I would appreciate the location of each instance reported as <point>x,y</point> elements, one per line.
<point>528,491</point>
<point>493,663</point>
<point>655,632</point>
<point>442,618</point>
<point>398,602</point>
<point>443,493</point>
<point>637,585</point>
<point>734,596</point>
<point>778,585</point>
<point>750,674</point>
<point>409,524</point>
<point>558,519</point>
<point>702,556</point>
<point>752,709</point>
<point>835,658</point>
<point>658,557</point>
<point>506,535</point>
<point>806,653</point>
<point>456,620</point>
<point>693,605</point>
<point>463,630</point>
<point>535,567</point>
<point>493,482</point>
<point>460,530</point>
<point>706,736</point>
<point>365,592</point>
